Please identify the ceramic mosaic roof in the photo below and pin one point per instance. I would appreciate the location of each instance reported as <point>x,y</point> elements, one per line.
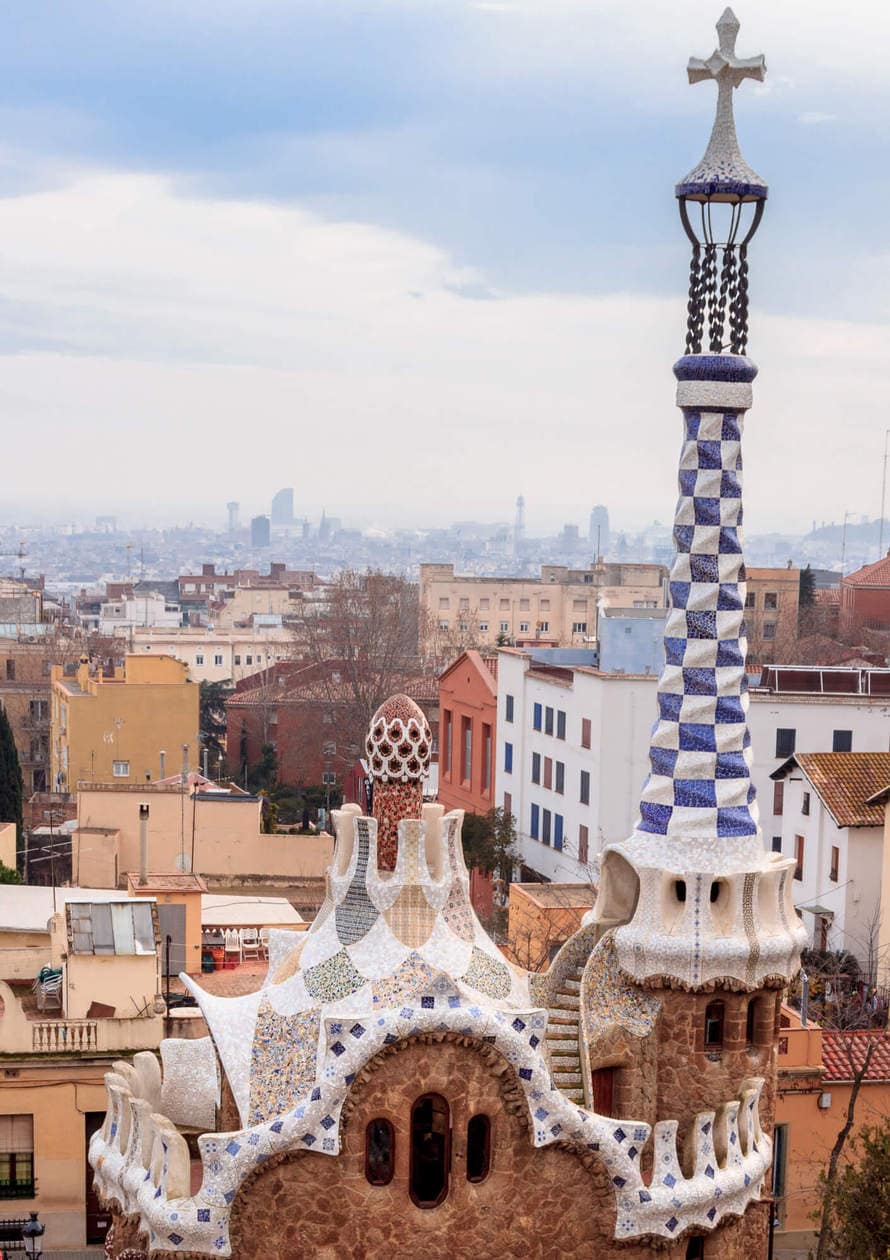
<point>843,1053</point>
<point>845,782</point>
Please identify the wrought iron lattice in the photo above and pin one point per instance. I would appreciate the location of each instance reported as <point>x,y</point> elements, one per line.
<point>718,282</point>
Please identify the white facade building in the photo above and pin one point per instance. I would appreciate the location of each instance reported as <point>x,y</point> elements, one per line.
<point>214,655</point>
<point>119,615</point>
<point>557,722</point>
<point>837,837</point>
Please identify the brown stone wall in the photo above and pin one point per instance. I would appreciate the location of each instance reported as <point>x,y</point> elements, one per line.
<point>316,1206</point>
<point>534,1203</point>
<point>693,1078</point>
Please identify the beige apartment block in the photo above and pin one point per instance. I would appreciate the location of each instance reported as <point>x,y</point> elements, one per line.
<point>213,832</point>
<point>102,729</point>
<point>558,609</point>
<point>771,608</point>
<point>56,1046</point>
<point>215,654</point>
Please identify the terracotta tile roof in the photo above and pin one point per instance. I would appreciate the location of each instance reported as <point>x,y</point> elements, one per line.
<point>845,783</point>
<point>877,574</point>
<point>842,1052</point>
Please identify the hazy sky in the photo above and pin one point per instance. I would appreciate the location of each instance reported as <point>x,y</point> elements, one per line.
<point>416,256</point>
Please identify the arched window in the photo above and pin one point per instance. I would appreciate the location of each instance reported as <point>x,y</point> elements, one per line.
<point>695,1248</point>
<point>430,1150</point>
<point>714,1012</point>
<point>478,1148</point>
<point>380,1152</point>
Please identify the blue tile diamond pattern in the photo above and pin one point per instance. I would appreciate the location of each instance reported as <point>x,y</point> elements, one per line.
<point>699,783</point>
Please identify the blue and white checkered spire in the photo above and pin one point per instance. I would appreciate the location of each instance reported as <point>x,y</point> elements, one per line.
<point>699,786</point>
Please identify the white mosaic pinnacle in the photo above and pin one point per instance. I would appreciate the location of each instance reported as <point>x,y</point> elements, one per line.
<point>723,164</point>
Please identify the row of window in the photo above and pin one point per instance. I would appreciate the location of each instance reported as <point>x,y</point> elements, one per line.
<point>799,847</point>
<point>786,740</point>
<point>548,720</point>
<point>546,826</point>
<point>549,829</point>
<point>466,751</point>
<point>503,628</point>
<point>770,600</point>
<point>430,1153</point>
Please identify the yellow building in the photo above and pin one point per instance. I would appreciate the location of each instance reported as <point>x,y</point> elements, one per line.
<point>106,730</point>
<point>558,609</point>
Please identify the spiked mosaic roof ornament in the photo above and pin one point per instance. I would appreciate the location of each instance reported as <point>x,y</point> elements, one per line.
<point>693,895</point>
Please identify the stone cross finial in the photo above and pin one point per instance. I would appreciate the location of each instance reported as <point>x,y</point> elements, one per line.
<point>723,171</point>
<point>723,65</point>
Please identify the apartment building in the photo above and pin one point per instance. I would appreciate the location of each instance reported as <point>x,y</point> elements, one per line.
<point>572,749</point>
<point>101,1004</point>
<point>865,598</point>
<point>214,654</point>
<point>771,610</point>
<point>116,729</point>
<point>833,826</point>
<point>560,608</point>
<point>25,690</point>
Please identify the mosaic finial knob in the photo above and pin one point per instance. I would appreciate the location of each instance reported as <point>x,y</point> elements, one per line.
<point>399,741</point>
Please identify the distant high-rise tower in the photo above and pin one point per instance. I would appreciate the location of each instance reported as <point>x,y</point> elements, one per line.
<point>260,534</point>
<point>232,509</point>
<point>519,525</point>
<point>599,530</point>
<point>283,507</point>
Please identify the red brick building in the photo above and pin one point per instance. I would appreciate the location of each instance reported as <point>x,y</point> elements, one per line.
<point>311,716</point>
<point>468,706</point>
<point>865,598</point>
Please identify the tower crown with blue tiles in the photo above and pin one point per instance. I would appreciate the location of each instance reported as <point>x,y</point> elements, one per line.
<point>693,895</point>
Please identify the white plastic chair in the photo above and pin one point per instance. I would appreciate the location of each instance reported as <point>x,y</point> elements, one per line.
<point>233,942</point>
<point>264,941</point>
<point>250,943</point>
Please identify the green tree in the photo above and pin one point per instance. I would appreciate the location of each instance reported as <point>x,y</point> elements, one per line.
<point>212,717</point>
<point>262,776</point>
<point>858,1218</point>
<point>8,875</point>
<point>10,777</point>
<point>807,590</point>
<point>489,842</point>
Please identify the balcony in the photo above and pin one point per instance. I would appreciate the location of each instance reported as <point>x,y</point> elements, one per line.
<point>26,1031</point>
<point>65,1036</point>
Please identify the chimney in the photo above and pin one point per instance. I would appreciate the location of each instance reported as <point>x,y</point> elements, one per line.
<point>208,570</point>
<point>143,844</point>
<point>185,764</point>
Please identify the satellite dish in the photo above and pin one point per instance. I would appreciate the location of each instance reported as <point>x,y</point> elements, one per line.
<point>183,864</point>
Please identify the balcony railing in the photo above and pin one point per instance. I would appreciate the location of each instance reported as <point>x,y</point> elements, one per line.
<point>59,1036</point>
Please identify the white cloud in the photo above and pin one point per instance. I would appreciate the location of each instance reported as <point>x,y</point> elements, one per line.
<point>201,350</point>
<point>812,118</point>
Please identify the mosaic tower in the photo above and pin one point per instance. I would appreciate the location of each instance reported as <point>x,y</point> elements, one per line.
<point>693,894</point>
<point>398,1086</point>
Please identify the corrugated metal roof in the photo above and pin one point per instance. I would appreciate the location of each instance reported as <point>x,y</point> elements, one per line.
<point>846,781</point>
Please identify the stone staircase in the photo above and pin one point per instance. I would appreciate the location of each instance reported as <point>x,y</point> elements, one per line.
<point>563,1037</point>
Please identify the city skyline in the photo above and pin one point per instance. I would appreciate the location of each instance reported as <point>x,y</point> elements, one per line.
<point>250,239</point>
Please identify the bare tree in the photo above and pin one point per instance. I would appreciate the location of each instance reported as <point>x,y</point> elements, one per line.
<point>363,641</point>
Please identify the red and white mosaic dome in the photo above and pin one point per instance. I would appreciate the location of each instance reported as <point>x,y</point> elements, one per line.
<point>399,741</point>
